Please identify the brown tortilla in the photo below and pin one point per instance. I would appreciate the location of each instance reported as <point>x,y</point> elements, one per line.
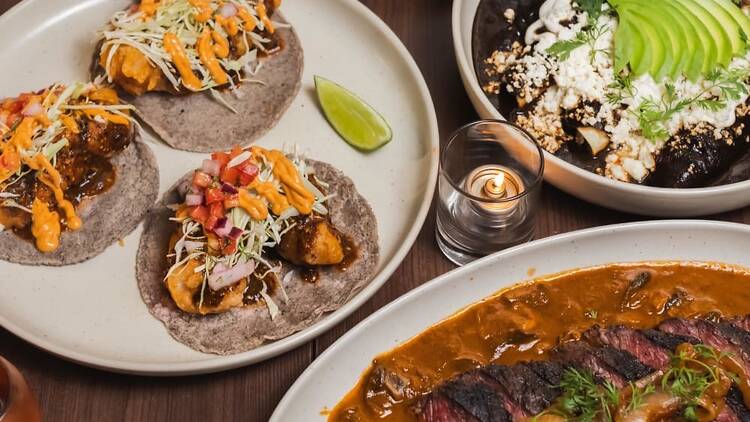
<point>107,217</point>
<point>243,329</point>
<point>197,122</point>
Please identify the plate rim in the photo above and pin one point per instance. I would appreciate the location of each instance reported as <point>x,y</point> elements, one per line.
<point>568,237</point>
<point>219,363</point>
<point>468,74</point>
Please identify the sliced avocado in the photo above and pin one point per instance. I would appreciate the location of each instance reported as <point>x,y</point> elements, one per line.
<point>638,49</point>
<point>740,18</point>
<point>702,38</point>
<point>665,60</point>
<point>717,34</point>
<point>653,48</point>
<point>727,22</point>
<point>624,46</point>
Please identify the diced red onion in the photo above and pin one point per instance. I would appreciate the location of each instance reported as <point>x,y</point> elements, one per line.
<point>228,10</point>
<point>223,227</point>
<point>227,188</point>
<point>235,233</point>
<point>211,167</point>
<point>236,161</point>
<point>32,109</point>
<point>221,276</point>
<point>193,200</point>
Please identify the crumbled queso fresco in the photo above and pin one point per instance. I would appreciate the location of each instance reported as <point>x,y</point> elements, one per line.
<point>551,90</point>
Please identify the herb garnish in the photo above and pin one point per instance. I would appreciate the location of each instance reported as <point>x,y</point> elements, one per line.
<point>588,36</point>
<point>585,401</point>
<point>653,115</point>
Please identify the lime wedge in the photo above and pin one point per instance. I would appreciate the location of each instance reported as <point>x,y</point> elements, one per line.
<point>359,124</point>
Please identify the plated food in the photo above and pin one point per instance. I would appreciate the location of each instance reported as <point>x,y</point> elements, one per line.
<point>648,341</point>
<point>203,73</point>
<point>254,246</point>
<point>665,109</point>
<point>74,178</point>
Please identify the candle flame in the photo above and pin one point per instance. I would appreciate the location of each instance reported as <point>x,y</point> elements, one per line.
<point>499,180</point>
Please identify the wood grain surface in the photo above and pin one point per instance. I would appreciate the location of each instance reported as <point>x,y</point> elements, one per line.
<point>72,393</point>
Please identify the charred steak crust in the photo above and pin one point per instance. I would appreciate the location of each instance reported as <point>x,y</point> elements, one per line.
<point>524,386</point>
<point>478,395</point>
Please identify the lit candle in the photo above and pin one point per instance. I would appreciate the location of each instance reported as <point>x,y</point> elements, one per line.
<point>495,182</point>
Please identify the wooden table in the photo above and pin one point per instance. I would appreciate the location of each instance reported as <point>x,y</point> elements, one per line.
<point>69,392</point>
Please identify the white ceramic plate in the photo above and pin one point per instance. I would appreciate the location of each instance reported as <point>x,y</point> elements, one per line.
<point>92,313</point>
<point>338,369</point>
<point>644,200</point>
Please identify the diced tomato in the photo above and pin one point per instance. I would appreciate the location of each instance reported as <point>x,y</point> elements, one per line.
<point>248,172</point>
<point>201,179</point>
<point>210,223</point>
<point>214,195</point>
<point>200,214</point>
<point>236,150</point>
<point>231,201</point>
<point>221,158</point>
<point>230,175</point>
<point>217,209</point>
<point>230,247</point>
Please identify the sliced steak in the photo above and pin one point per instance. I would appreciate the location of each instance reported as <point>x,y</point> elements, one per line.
<point>549,371</point>
<point>722,336</point>
<point>524,386</point>
<point>438,408</point>
<point>482,397</point>
<point>727,415</point>
<point>606,363</point>
<point>737,404</point>
<point>743,323</point>
<point>632,341</point>
<point>667,340</point>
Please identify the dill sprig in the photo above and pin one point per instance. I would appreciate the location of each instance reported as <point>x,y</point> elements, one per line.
<point>588,36</point>
<point>724,86</point>
<point>585,401</point>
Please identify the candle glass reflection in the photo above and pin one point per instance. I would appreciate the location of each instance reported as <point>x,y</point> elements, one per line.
<point>489,190</point>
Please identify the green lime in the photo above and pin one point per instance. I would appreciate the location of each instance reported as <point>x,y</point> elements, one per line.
<point>359,124</point>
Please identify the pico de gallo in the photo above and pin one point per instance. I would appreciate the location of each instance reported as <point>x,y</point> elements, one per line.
<point>198,45</point>
<point>239,206</point>
<point>55,146</point>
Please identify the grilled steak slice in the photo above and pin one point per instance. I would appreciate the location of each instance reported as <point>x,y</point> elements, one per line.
<point>606,363</point>
<point>630,340</point>
<point>524,386</point>
<point>667,340</point>
<point>722,336</point>
<point>727,415</point>
<point>743,323</point>
<point>737,404</point>
<point>438,408</point>
<point>549,371</point>
<point>480,396</point>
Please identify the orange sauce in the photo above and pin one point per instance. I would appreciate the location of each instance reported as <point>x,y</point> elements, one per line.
<point>526,321</point>
<point>45,227</point>
<point>248,21</point>
<point>204,10</point>
<point>221,45</point>
<point>263,15</point>
<point>51,177</point>
<point>177,53</point>
<point>253,205</point>
<point>284,170</point>
<point>208,58</point>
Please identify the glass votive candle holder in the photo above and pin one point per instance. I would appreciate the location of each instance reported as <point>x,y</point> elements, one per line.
<point>489,189</point>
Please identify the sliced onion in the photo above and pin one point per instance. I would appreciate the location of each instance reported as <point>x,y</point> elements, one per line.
<point>211,167</point>
<point>235,233</point>
<point>236,161</point>
<point>193,200</point>
<point>32,109</point>
<point>227,188</point>
<point>221,276</point>
<point>228,10</point>
<point>191,245</point>
<point>223,227</point>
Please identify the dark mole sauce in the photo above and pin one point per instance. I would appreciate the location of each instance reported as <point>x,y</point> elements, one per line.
<point>84,166</point>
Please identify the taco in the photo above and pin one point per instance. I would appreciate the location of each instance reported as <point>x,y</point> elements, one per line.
<point>254,246</point>
<point>73,177</point>
<point>193,66</point>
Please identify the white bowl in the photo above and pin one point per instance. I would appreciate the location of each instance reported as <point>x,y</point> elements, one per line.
<point>644,200</point>
<point>337,370</point>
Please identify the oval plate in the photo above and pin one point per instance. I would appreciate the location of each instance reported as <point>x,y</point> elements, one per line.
<point>92,313</point>
<point>628,197</point>
<point>338,369</point>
